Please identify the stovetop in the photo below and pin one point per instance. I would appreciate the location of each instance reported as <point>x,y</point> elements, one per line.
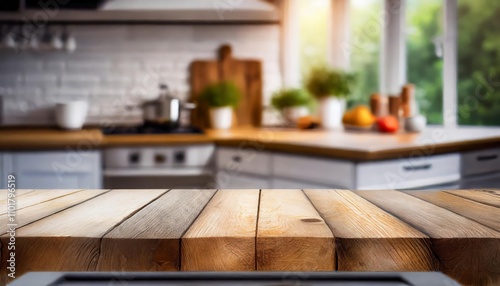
<point>148,129</point>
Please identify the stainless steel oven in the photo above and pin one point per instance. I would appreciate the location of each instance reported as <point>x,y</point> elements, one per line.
<point>183,167</point>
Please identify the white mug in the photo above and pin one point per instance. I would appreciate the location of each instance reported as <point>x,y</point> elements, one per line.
<point>71,115</point>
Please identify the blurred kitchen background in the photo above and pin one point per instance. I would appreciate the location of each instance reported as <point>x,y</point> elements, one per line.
<point>423,62</point>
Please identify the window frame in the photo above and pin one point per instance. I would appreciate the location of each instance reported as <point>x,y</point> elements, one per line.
<point>394,69</point>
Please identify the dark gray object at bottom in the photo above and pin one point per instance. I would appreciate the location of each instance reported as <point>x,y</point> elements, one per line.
<point>234,278</point>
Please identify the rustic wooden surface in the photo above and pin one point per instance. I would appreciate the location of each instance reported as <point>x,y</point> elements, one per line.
<point>287,230</point>
<point>150,239</point>
<point>486,197</point>
<point>467,251</point>
<point>334,144</point>
<point>481,213</point>
<point>287,220</point>
<point>223,236</point>
<point>245,74</point>
<point>369,239</point>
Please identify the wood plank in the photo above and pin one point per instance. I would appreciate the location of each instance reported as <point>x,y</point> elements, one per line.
<point>467,251</point>
<point>150,239</point>
<point>69,240</point>
<point>291,235</point>
<point>489,198</point>
<point>44,209</point>
<point>223,236</point>
<point>20,192</point>
<point>369,239</point>
<point>482,213</point>
<point>38,196</point>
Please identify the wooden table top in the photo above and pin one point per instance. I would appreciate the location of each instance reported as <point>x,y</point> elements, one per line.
<point>334,144</point>
<point>456,232</point>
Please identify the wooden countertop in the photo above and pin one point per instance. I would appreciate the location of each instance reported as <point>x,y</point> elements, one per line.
<point>456,232</point>
<point>335,144</point>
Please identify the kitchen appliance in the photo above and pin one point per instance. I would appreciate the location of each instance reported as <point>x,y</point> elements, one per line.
<point>71,115</point>
<point>166,110</point>
<point>235,278</point>
<point>152,167</point>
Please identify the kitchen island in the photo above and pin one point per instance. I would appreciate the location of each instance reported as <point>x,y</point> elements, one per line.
<point>456,232</point>
<point>337,144</point>
<point>452,158</point>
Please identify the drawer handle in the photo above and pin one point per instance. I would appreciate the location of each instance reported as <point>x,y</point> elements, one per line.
<point>237,159</point>
<point>487,157</point>
<point>417,168</point>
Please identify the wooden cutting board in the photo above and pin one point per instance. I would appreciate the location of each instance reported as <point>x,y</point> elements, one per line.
<point>245,74</point>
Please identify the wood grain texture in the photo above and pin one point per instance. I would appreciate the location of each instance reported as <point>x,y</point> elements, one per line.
<point>291,235</point>
<point>245,74</point>
<point>486,197</point>
<point>479,212</point>
<point>44,209</point>
<point>467,251</point>
<point>150,239</point>
<point>69,240</point>
<point>366,146</point>
<point>154,140</point>
<point>369,239</point>
<point>4,197</point>
<point>333,144</point>
<point>48,139</point>
<point>223,236</point>
<point>38,196</point>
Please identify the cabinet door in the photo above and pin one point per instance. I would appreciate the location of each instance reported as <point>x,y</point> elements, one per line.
<point>245,160</point>
<point>488,181</point>
<point>291,184</point>
<point>318,171</point>
<point>55,170</point>
<point>227,181</point>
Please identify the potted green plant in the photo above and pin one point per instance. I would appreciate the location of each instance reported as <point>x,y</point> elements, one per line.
<point>293,103</point>
<point>331,87</point>
<point>221,98</point>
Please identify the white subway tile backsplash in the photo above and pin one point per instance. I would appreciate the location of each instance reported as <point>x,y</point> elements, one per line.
<point>55,66</point>
<point>40,79</point>
<point>10,80</point>
<point>119,65</point>
<point>88,65</point>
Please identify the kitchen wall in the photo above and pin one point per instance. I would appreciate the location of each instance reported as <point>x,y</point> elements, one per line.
<point>119,65</point>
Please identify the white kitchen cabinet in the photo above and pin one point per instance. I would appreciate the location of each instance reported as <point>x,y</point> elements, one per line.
<point>314,170</point>
<point>244,160</point>
<point>53,170</point>
<point>419,172</point>
<point>481,162</point>
<point>291,184</point>
<point>481,169</point>
<point>227,180</point>
<point>259,169</point>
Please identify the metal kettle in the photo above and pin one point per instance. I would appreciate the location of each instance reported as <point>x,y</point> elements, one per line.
<point>166,110</point>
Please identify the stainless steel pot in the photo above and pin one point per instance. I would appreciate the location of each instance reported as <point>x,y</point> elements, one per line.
<point>166,110</point>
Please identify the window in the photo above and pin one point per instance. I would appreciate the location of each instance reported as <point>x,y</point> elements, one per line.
<point>424,44</point>
<point>430,53</point>
<point>366,28</point>
<point>479,62</point>
<point>313,15</point>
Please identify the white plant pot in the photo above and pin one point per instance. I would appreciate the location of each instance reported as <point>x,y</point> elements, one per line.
<point>71,115</point>
<point>221,117</point>
<point>331,111</point>
<point>292,114</point>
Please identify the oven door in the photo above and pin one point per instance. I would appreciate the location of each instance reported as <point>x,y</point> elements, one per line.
<point>144,178</point>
